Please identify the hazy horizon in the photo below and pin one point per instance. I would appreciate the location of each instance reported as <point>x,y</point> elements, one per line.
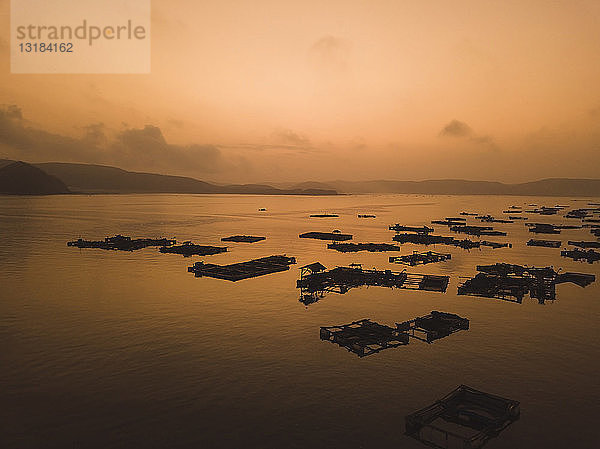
<point>267,91</point>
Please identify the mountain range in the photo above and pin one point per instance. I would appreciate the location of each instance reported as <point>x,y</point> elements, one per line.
<point>63,177</point>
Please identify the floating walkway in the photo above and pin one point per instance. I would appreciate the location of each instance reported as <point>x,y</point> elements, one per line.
<point>423,258</point>
<point>466,418</point>
<point>243,270</point>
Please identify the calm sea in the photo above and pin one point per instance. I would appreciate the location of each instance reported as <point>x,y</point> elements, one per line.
<point>102,349</point>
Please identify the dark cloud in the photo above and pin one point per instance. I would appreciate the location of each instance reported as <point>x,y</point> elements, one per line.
<point>456,128</point>
<point>130,148</point>
<point>175,123</point>
<point>460,130</point>
<point>289,137</point>
<point>330,54</point>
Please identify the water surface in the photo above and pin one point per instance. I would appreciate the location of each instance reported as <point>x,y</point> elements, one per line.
<point>103,349</point>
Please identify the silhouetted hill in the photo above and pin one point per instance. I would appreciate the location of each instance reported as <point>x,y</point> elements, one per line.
<point>90,178</point>
<point>104,179</point>
<point>99,178</point>
<point>20,178</point>
<point>550,187</point>
<point>560,187</point>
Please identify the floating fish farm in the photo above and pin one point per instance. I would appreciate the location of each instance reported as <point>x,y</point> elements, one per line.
<point>545,243</point>
<point>121,243</point>
<point>366,337</point>
<point>434,326</point>
<point>335,236</point>
<point>188,249</point>
<point>466,418</point>
<point>315,280</point>
<point>417,258</point>
<point>243,239</point>
<point>355,247</point>
<point>243,270</point>
<point>512,282</point>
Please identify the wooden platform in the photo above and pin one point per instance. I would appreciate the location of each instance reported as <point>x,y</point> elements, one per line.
<point>545,243</point>
<point>355,247</point>
<point>189,249</point>
<point>121,243</point>
<point>434,326</point>
<point>418,229</point>
<point>243,270</point>
<point>511,282</point>
<point>364,337</point>
<point>466,418</point>
<point>423,239</point>
<point>243,239</point>
<point>314,284</point>
<point>417,258</point>
<point>584,244</point>
<point>589,256</point>
<point>336,236</point>
<point>477,230</point>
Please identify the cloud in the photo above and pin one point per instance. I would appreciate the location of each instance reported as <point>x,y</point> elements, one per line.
<point>289,137</point>
<point>460,130</point>
<point>131,148</point>
<point>330,54</point>
<point>456,128</point>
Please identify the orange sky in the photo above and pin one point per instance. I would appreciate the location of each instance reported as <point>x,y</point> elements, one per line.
<point>248,91</point>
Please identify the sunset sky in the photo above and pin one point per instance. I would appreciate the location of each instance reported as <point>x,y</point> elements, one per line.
<point>276,90</point>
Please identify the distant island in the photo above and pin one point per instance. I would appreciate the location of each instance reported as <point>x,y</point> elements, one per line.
<point>63,177</point>
<point>543,187</point>
<point>88,178</point>
<point>20,178</point>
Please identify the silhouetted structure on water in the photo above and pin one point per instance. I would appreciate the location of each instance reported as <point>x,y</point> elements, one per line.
<point>507,281</point>
<point>590,256</point>
<point>336,236</point>
<point>243,239</point>
<point>545,243</point>
<point>315,280</point>
<point>466,418</point>
<point>417,258</point>
<point>434,326</point>
<point>188,249</point>
<point>121,243</point>
<point>355,247</point>
<point>366,337</point>
<point>243,270</point>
